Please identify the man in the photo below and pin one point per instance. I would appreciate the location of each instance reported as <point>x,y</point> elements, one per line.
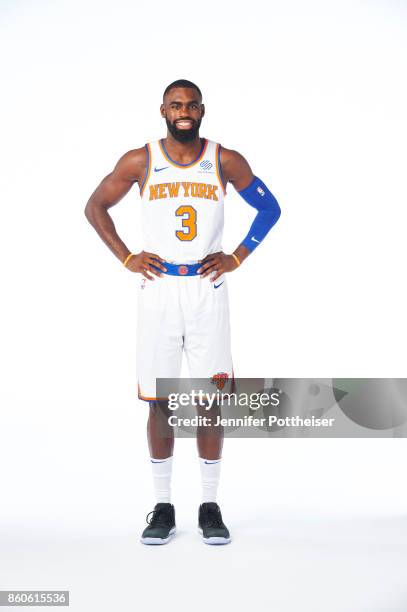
<point>183,300</point>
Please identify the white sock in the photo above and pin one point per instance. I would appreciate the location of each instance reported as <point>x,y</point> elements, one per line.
<point>210,473</point>
<point>162,469</point>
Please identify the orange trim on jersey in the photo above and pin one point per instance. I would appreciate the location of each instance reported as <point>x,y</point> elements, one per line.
<point>186,166</point>
<point>218,169</point>
<point>148,171</point>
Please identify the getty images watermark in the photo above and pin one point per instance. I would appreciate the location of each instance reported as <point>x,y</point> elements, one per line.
<point>253,401</point>
<point>283,407</point>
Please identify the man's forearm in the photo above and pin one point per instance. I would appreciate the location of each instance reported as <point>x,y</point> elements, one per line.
<point>241,252</point>
<point>260,197</point>
<point>100,219</point>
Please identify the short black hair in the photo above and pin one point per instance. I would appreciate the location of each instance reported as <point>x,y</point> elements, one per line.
<point>182,83</point>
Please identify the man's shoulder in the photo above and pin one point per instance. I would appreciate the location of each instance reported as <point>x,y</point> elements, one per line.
<point>132,164</point>
<point>235,168</point>
<point>230,159</point>
<point>135,156</point>
<point>228,155</point>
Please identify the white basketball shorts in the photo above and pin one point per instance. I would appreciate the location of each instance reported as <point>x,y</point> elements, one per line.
<point>179,314</point>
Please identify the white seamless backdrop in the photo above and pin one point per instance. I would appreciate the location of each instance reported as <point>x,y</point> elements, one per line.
<point>313,94</point>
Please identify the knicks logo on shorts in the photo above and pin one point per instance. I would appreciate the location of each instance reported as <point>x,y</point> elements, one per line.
<point>220,379</point>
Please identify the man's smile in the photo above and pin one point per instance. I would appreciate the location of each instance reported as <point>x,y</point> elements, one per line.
<point>184,124</point>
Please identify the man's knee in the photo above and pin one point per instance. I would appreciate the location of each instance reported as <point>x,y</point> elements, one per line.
<point>158,407</point>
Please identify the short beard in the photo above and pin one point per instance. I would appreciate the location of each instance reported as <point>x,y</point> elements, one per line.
<point>183,135</point>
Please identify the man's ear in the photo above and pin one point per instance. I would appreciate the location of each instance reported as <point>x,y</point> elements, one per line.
<point>202,110</point>
<point>162,110</point>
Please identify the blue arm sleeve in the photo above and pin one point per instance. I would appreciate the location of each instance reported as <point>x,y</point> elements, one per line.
<point>258,195</point>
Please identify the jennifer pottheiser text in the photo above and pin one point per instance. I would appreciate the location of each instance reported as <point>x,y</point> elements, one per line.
<point>249,421</point>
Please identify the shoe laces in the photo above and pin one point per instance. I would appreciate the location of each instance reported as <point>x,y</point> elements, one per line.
<point>159,517</point>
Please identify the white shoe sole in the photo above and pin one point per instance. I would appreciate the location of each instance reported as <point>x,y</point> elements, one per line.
<point>158,541</point>
<point>215,540</point>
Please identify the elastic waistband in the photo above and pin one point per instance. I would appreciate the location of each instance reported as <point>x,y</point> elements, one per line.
<point>182,269</point>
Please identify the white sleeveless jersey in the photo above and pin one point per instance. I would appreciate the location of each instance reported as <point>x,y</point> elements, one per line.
<point>182,204</point>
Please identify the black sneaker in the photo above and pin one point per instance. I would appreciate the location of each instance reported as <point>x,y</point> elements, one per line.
<point>161,526</point>
<point>211,526</point>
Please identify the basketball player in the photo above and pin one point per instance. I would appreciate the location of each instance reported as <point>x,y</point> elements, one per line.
<point>183,300</point>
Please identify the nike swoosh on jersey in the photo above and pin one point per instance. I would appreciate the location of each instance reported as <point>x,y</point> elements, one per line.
<point>216,286</point>
<point>159,169</point>
<point>254,240</point>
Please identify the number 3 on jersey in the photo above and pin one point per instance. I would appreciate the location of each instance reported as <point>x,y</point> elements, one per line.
<point>188,222</point>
